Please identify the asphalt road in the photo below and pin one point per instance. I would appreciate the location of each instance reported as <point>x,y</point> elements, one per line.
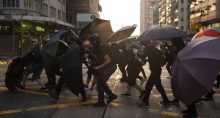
<point>31,103</point>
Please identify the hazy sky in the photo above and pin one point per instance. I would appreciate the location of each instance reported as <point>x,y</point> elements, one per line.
<point>121,13</point>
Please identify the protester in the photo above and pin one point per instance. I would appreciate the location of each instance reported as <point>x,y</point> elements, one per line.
<point>155,64</point>
<point>106,67</point>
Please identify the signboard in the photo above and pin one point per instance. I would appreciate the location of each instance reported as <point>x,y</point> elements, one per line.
<point>86,17</point>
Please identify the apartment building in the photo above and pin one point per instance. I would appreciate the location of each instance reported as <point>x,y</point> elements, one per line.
<point>204,14</point>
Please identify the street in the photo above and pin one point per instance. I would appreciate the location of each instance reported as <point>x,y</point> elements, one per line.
<point>31,103</point>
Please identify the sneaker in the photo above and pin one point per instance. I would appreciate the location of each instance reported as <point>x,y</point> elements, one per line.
<point>53,93</point>
<point>175,101</point>
<point>144,104</point>
<point>99,104</point>
<point>165,102</point>
<point>190,115</point>
<point>84,97</point>
<point>126,94</point>
<point>111,98</point>
<point>208,99</point>
<point>142,95</point>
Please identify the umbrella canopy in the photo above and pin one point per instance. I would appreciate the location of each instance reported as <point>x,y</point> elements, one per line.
<point>50,49</point>
<point>127,40</point>
<point>72,69</point>
<point>51,46</point>
<point>195,69</point>
<point>104,30</point>
<point>122,33</point>
<point>89,29</point>
<point>213,32</point>
<point>161,33</point>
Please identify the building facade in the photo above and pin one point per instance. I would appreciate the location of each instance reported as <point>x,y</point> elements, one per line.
<point>145,15</point>
<point>21,21</point>
<point>204,14</point>
<point>81,12</point>
<point>175,13</point>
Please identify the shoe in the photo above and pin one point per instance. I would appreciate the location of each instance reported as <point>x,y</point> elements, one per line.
<point>99,104</point>
<point>175,101</point>
<point>44,89</point>
<point>111,98</point>
<point>142,95</point>
<point>190,115</point>
<point>84,97</point>
<point>144,104</point>
<point>122,80</point>
<point>208,99</point>
<point>165,102</point>
<point>126,94</point>
<point>53,93</point>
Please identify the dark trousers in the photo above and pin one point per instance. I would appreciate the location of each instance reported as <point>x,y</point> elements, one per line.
<point>102,85</point>
<point>133,71</point>
<point>123,70</point>
<point>154,79</point>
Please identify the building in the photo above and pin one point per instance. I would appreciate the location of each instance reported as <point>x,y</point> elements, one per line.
<point>175,13</point>
<point>81,12</point>
<point>145,15</point>
<point>21,21</point>
<point>204,14</point>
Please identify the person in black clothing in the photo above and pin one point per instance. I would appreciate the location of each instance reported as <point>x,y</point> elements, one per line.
<point>133,70</point>
<point>155,64</point>
<point>105,67</point>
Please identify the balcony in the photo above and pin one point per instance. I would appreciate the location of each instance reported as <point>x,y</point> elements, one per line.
<point>209,16</point>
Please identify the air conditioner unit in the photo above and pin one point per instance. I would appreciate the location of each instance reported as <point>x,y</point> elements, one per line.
<point>86,17</point>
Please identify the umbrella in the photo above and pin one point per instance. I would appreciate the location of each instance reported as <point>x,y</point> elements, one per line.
<point>87,30</point>
<point>195,69</point>
<point>127,40</point>
<point>50,49</point>
<point>72,69</point>
<point>122,33</point>
<point>104,30</point>
<point>213,32</point>
<point>161,33</point>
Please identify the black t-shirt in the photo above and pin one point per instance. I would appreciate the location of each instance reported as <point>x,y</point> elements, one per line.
<point>154,57</point>
<point>103,50</point>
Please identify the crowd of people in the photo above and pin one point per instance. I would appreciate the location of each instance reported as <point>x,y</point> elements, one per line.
<point>102,61</point>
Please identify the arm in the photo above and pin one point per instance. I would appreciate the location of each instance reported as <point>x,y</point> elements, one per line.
<point>105,63</point>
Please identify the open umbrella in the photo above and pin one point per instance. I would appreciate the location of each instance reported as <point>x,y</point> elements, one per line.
<point>50,49</point>
<point>104,30</point>
<point>161,33</point>
<point>127,40</point>
<point>122,33</point>
<point>88,29</point>
<point>213,32</point>
<point>72,69</point>
<point>195,69</point>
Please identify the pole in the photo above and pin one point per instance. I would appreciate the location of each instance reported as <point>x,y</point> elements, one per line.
<point>13,38</point>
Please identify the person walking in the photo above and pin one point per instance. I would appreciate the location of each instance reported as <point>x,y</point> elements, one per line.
<point>105,67</point>
<point>155,61</point>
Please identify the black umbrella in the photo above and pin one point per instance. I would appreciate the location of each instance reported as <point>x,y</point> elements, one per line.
<point>50,49</point>
<point>87,30</point>
<point>72,69</point>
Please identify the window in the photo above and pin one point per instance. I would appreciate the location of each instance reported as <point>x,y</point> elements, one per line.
<point>10,3</point>
<point>52,12</point>
<point>59,14</point>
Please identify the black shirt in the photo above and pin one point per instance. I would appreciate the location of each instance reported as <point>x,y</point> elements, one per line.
<point>154,57</point>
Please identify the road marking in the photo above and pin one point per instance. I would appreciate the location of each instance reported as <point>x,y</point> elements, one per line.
<point>54,106</point>
<point>10,111</point>
<point>168,113</point>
